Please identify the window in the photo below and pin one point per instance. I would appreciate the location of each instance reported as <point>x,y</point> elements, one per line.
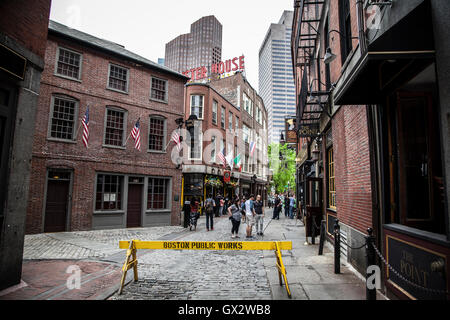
<point>346,28</point>
<point>213,149</point>
<point>246,133</point>
<point>69,64</point>
<point>214,112</point>
<point>236,126</point>
<point>196,142</point>
<point>109,192</point>
<point>258,115</point>
<point>248,105</point>
<point>159,90</point>
<point>230,121</point>
<point>157,134</point>
<point>158,194</point>
<point>197,106</point>
<point>331,181</point>
<point>222,118</point>
<point>115,127</point>
<point>62,118</point>
<point>118,78</point>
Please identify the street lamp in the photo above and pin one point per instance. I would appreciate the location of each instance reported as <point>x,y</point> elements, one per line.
<point>329,55</point>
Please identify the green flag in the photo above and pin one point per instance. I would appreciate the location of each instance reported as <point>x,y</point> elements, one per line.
<point>237,160</point>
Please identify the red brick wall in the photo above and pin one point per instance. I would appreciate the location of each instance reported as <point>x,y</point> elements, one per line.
<point>85,162</point>
<point>27,22</point>
<point>352,167</point>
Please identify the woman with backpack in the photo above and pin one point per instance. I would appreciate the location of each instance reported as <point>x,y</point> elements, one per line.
<point>234,212</point>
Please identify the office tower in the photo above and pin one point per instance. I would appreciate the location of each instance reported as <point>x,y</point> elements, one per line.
<point>276,81</point>
<point>201,47</point>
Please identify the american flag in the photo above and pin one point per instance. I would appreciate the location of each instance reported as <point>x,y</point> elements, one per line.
<point>177,140</point>
<point>221,156</point>
<point>85,123</point>
<point>252,148</point>
<point>136,134</point>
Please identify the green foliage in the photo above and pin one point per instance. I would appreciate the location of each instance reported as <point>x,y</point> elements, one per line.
<point>284,170</point>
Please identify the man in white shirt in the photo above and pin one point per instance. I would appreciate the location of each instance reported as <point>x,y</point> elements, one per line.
<point>250,215</point>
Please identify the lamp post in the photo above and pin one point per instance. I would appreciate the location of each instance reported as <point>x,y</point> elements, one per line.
<point>329,55</point>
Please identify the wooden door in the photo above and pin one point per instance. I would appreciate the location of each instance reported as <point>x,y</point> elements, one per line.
<point>134,208</point>
<point>56,207</point>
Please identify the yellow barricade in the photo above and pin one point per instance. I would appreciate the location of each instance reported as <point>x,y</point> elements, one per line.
<point>133,245</point>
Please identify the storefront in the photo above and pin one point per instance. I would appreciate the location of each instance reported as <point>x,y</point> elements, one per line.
<point>401,80</point>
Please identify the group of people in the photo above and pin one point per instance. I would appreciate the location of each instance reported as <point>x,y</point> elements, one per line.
<point>240,210</point>
<point>248,210</point>
<point>290,205</point>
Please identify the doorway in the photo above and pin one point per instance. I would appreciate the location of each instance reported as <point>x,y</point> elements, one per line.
<point>57,201</point>
<point>134,207</point>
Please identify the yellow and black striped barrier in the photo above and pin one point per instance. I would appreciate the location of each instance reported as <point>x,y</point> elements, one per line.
<point>133,245</point>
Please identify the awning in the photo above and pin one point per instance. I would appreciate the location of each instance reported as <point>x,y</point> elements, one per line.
<point>395,57</point>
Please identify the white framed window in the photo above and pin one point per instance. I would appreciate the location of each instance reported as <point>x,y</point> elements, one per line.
<point>158,191</point>
<point>246,133</point>
<point>63,118</point>
<point>214,112</point>
<point>118,78</point>
<point>248,105</point>
<point>157,134</point>
<point>159,89</point>
<point>109,192</point>
<point>196,143</point>
<point>230,121</point>
<point>222,118</point>
<point>197,106</point>
<point>115,126</point>
<point>213,149</point>
<point>68,63</point>
<point>258,115</point>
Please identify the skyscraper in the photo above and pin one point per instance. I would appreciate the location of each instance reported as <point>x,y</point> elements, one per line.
<point>276,80</point>
<point>201,47</point>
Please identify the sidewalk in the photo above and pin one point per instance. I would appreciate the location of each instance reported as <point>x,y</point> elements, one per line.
<point>310,276</point>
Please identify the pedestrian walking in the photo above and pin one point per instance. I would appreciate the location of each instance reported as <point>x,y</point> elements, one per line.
<point>222,203</point>
<point>286,205</point>
<point>291,206</point>
<point>216,208</point>
<point>234,212</point>
<point>277,208</point>
<point>209,212</point>
<point>250,215</point>
<point>259,217</point>
<point>243,209</point>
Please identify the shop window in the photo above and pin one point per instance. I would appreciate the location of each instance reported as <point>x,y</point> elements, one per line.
<point>158,193</point>
<point>109,192</point>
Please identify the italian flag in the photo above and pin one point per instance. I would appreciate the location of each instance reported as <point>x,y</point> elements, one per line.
<point>237,162</point>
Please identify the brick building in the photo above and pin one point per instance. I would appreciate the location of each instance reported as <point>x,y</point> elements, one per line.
<point>372,121</point>
<point>230,117</point>
<point>23,34</point>
<point>110,184</point>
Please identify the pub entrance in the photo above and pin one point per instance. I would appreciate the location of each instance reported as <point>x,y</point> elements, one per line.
<point>134,207</point>
<point>57,201</point>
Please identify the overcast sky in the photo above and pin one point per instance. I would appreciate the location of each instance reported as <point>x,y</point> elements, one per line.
<point>145,26</point>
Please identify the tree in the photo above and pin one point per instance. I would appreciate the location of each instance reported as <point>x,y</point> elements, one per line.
<point>282,163</point>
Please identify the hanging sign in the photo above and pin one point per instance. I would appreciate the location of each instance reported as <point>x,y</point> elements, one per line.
<point>227,176</point>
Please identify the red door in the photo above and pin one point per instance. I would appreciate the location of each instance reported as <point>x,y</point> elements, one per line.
<point>56,205</point>
<point>134,209</point>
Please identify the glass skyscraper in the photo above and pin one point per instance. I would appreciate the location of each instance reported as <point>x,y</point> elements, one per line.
<point>276,80</point>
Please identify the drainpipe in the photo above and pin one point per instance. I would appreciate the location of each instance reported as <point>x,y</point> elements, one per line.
<point>361,33</point>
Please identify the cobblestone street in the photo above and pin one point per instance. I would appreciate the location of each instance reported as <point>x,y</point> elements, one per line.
<point>182,274</point>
